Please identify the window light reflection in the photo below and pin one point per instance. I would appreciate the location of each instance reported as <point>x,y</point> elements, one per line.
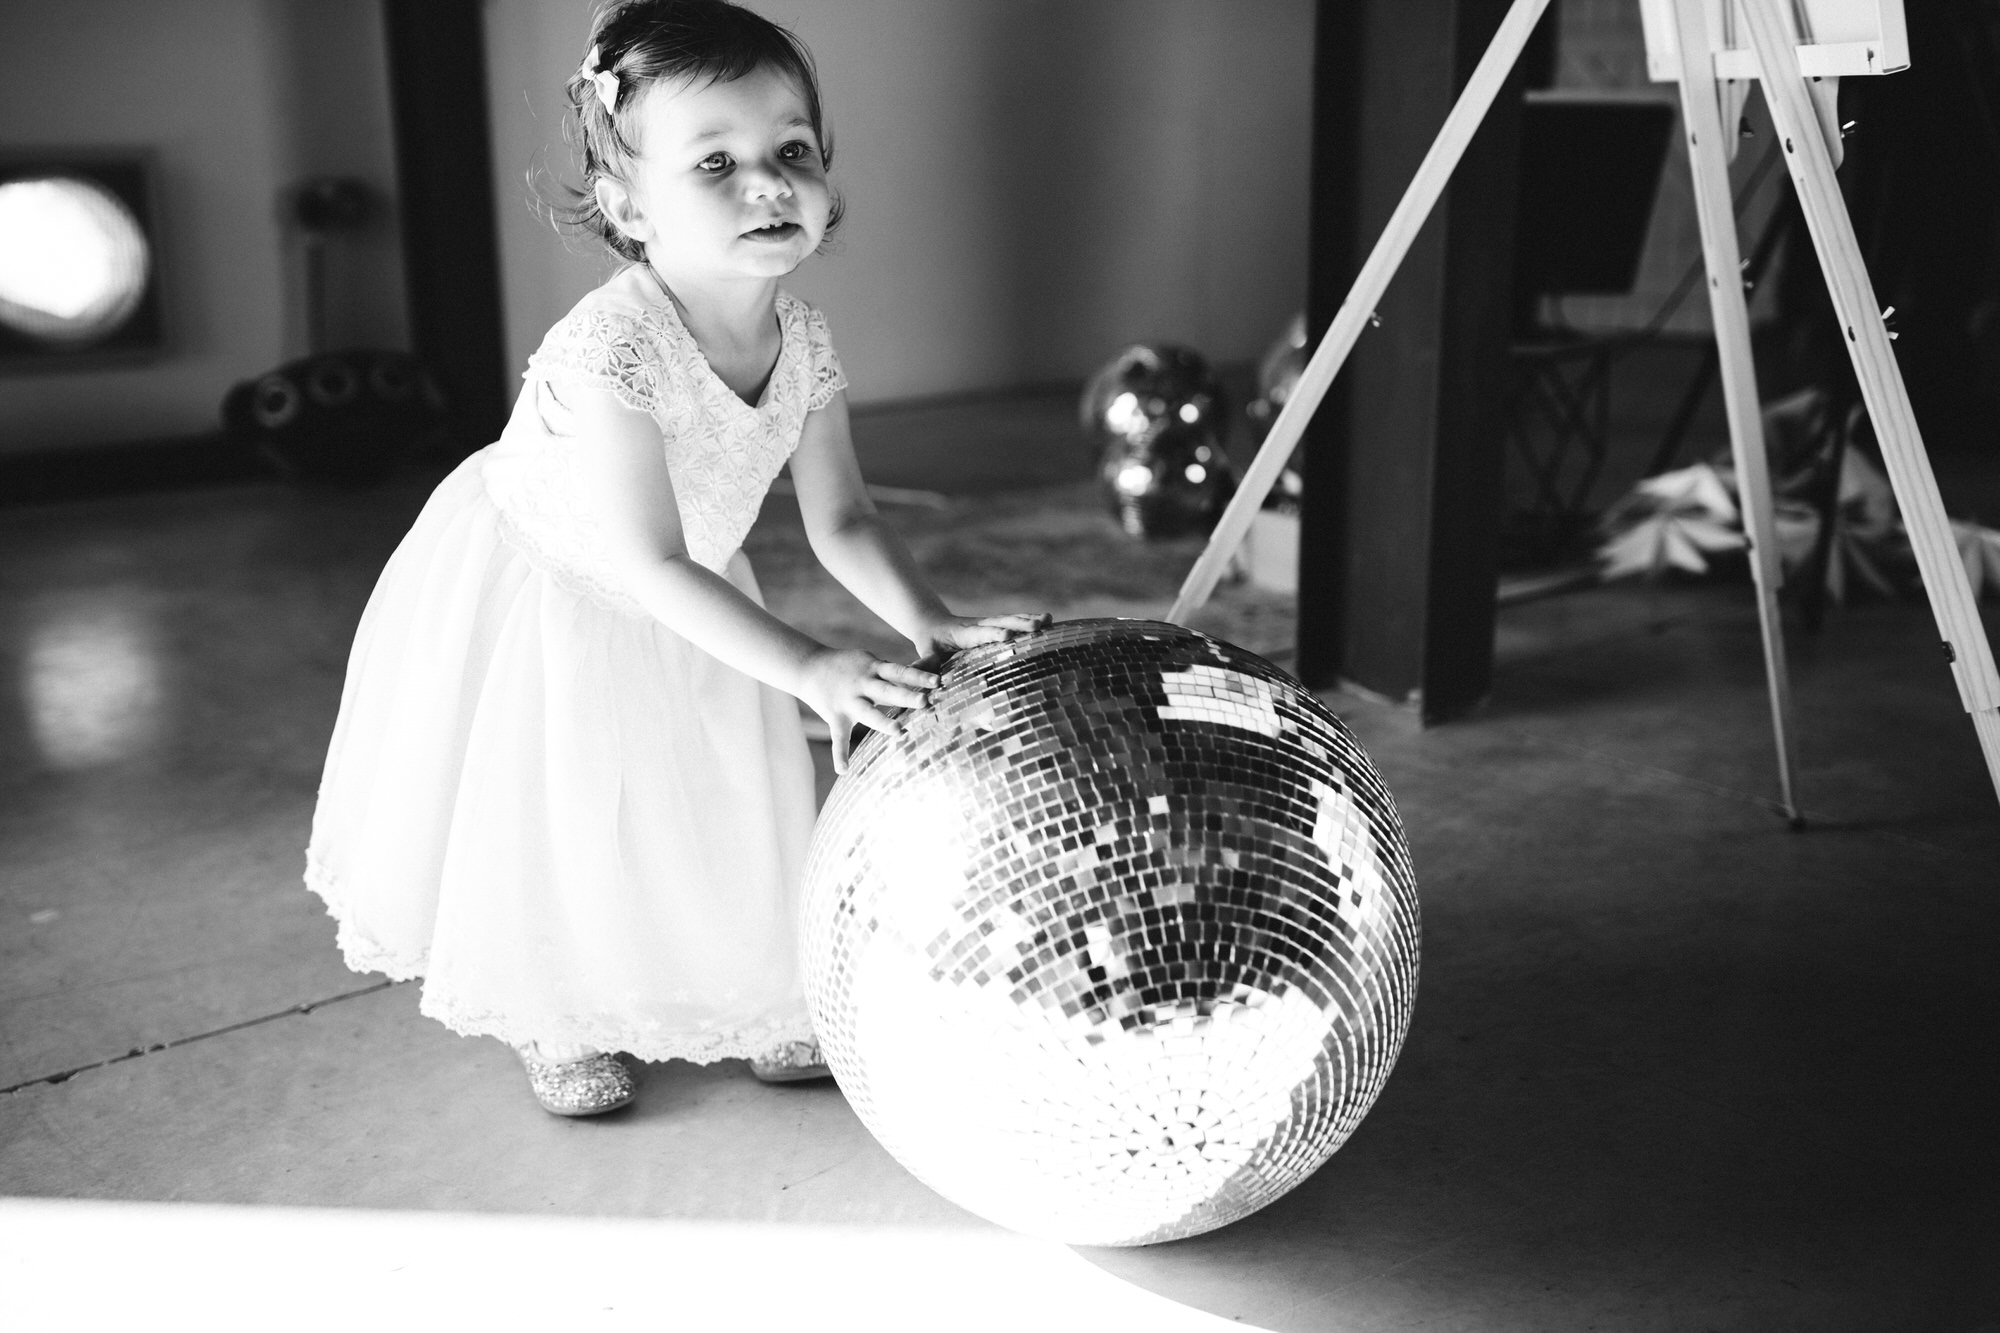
<point>93,683</point>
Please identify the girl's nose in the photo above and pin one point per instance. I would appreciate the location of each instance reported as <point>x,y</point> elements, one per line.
<point>767,182</point>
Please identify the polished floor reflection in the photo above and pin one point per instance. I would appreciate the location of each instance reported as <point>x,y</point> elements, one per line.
<point>1672,1066</point>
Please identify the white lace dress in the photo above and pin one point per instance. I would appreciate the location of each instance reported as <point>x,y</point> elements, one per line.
<point>572,823</point>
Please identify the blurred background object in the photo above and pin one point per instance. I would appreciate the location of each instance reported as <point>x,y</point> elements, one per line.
<point>1148,387</point>
<point>318,210</point>
<point>349,418</point>
<point>1156,417</point>
<point>1271,549</point>
<point>79,284</point>
<point>1167,484</point>
<point>1277,375</point>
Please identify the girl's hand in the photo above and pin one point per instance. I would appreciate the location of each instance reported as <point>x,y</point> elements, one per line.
<point>950,633</point>
<point>848,686</point>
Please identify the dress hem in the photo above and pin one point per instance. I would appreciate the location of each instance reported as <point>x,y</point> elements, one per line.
<point>605,1033</point>
<point>357,950</point>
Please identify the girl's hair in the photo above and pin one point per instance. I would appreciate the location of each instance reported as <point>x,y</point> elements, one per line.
<point>642,41</point>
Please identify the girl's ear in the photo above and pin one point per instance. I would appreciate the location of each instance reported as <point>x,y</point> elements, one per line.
<point>616,203</point>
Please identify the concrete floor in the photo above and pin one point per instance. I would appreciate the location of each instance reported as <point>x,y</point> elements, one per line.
<point>1673,1066</point>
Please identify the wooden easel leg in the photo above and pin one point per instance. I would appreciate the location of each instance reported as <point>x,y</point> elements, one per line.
<point>1888,402</point>
<point>1708,142</point>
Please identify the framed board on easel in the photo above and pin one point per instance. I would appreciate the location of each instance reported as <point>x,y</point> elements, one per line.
<point>1836,38</point>
<point>1797,50</point>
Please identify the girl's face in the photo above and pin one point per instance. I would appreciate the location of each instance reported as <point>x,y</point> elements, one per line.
<point>728,181</point>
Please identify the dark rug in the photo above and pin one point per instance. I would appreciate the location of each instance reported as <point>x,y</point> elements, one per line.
<point>1051,549</point>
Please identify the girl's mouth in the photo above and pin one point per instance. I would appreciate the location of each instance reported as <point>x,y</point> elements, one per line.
<point>775,231</point>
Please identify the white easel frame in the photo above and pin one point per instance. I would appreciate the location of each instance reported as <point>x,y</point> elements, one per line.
<point>1726,30</point>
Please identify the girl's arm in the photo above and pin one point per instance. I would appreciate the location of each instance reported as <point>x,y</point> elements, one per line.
<point>859,549</point>
<point>622,469</point>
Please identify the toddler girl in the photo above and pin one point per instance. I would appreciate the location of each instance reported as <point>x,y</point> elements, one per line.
<point>567,786</point>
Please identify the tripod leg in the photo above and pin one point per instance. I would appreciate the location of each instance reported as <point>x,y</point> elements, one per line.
<point>1882,389</point>
<point>1708,158</point>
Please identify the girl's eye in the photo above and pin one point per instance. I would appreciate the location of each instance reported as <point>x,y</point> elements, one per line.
<point>795,151</point>
<point>714,162</point>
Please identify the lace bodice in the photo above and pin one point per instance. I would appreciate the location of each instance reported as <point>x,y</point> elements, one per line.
<point>722,454</point>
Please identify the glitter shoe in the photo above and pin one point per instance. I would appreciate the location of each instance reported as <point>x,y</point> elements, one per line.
<point>794,1062</point>
<point>588,1085</point>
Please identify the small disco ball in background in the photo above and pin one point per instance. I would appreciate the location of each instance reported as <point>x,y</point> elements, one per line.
<point>1278,372</point>
<point>1166,484</point>
<point>1117,941</point>
<point>343,417</point>
<point>1156,415</point>
<point>1145,389</point>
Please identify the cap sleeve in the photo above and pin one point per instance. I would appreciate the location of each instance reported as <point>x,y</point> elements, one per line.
<point>828,378</point>
<point>603,349</point>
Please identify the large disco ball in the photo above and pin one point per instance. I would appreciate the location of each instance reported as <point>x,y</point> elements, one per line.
<point>1117,941</point>
<point>1147,388</point>
<point>1168,484</point>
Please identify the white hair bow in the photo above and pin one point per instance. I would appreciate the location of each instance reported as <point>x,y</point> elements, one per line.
<point>604,80</point>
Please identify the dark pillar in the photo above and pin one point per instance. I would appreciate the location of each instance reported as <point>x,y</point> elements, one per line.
<point>444,174</point>
<point>1403,463</point>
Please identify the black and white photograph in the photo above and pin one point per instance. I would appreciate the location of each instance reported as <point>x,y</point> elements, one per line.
<point>1325,666</point>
